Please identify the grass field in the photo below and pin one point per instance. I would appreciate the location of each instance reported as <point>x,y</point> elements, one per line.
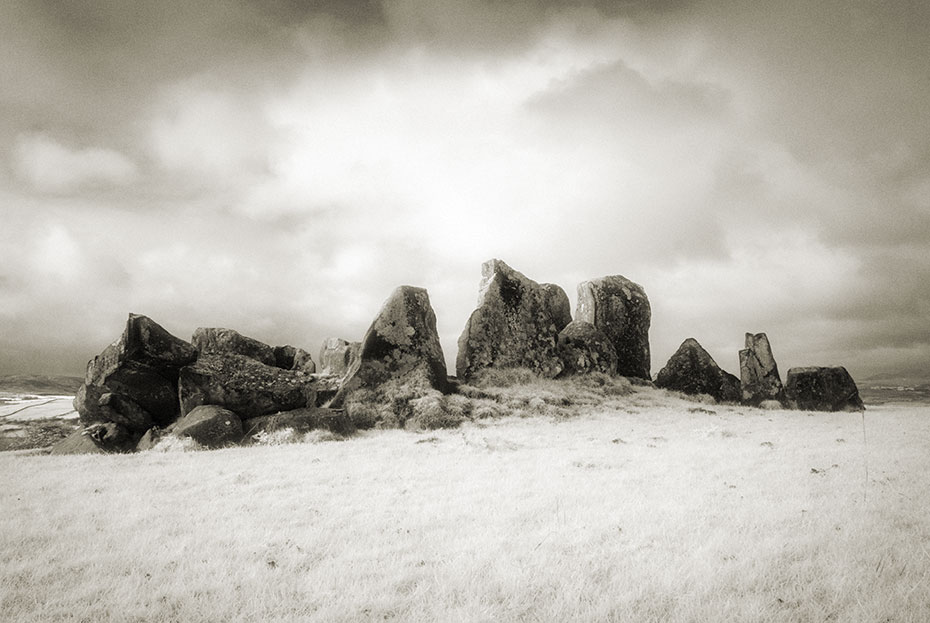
<point>654,509</point>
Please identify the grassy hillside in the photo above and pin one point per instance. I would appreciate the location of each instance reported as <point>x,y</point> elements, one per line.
<point>650,509</point>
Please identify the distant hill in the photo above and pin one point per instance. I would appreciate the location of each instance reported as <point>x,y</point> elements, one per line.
<point>40,384</point>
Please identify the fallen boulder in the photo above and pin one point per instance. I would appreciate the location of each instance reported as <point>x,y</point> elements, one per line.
<point>243,385</point>
<point>516,324</point>
<point>98,438</point>
<point>693,371</point>
<point>337,356</point>
<point>619,308</point>
<point>213,341</point>
<point>401,341</point>
<point>584,348</point>
<point>133,382</point>
<point>759,378</point>
<point>211,426</point>
<point>77,443</point>
<point>822,389</point>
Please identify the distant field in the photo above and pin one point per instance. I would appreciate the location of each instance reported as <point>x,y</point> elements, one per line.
<point>657,509</point>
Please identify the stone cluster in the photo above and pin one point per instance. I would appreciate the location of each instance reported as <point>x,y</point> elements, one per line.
<point>223,387</point>
<point>692,370</point>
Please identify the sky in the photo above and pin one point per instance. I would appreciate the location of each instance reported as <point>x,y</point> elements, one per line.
<point>279,167</point>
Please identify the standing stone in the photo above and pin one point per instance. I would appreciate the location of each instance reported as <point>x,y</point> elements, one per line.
<point>243,385</point>
<point>401,344</point>
<point>516,324</point>
<point>584,349</point>
<point>822,389</point>
<point>337,356</point>
<point>620,309</point>
<point>133,382</point>
<point>693,371</point>
<point>759,377</point>
<point>212,341</point>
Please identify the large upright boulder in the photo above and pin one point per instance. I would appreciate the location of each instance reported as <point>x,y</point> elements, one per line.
<point>584,349</point>
<point>401,341</point>
<point>243,385</point>
<point>619,308</point>
<point>516,324</point>
<point>337,356</point>
<point>216,340</point>
<point>759,378</point>
<point>133,382</point>
<point>822,389</point>
<point>693,371</point>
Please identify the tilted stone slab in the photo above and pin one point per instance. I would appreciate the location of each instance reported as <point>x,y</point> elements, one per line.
<point>759,378</point>
<point>516,324</point>
<point>217,340</point>
<point>243,385</point>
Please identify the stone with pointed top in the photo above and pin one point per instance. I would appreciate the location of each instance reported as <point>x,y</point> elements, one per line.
<point>759,378</point>
<point>516,324</point>
<point>401,341</point>
<point>133,382</point>
<point>693,371</point>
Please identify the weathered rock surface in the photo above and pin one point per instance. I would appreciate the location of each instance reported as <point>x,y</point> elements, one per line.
<point>337,356</point>
<point>210,426</point>
<point>77,443</point>
<point>693,371</point>
<point>401,340</point>
<point>619,308</point>
<point>214,341</point>
<point>584,348</point>
<point>150,439</point>
<point>301,421</point>
<point>759,378</point>
<point>822,389</point>
<point>133,381</point>
<point>516,324</point>
<point>243,385</point>
<point>291,358</point>
<point>98,438</point>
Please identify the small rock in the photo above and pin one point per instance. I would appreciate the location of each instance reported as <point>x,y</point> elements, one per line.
<point>210,426</point>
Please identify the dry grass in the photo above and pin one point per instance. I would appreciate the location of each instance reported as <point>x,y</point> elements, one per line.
<point>650,509</point>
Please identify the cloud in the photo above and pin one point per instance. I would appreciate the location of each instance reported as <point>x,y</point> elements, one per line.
<point>50,166</point>
<point>201,131</point>
<point>280,166</point>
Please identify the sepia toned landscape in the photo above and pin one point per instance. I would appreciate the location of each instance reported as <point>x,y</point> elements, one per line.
<point>464,310</point>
